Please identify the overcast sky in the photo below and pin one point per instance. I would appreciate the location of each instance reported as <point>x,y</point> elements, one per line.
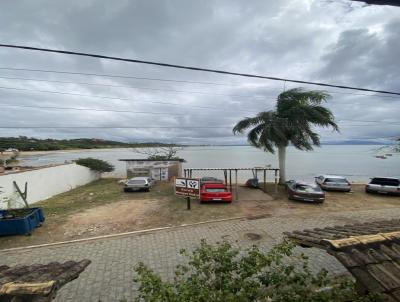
<point>327,41</point>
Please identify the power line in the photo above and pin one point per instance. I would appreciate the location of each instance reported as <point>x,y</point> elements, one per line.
<point>369,121</point>
<point>162,113</point>
<point>116,76</point>
<point>193,68</point>
<point>90,109</point>
<point>130,87</point>
<point>146,78</point>
<point>114,98</point>
<point>113,127</point>
<point>138,127</point>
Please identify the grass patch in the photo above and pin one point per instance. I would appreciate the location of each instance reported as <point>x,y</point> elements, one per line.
<point>99,192</point>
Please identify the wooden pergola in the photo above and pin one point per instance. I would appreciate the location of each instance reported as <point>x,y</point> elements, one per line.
<point>229,171</point>
<point>369,251</point>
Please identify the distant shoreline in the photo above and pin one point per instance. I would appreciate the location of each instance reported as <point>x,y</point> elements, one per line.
<point>35,153</point>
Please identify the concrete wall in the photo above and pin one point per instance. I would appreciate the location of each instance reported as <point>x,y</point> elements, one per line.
<point>44,182</point>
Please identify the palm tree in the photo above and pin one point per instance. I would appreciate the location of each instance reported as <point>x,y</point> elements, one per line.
<point>297,110</point>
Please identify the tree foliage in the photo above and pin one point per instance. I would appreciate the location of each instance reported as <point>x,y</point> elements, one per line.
<point>222,273</point>
<point>24,143</point>
<point>291,122</point>
<point>12,160</point>
<point>95,164</point>
<point>160,153</point>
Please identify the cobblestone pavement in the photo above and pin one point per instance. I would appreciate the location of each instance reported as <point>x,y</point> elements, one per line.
<point>109,277</point>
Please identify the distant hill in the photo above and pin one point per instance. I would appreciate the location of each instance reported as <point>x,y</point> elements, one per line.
<point>355,142</point>
<point>24,143</point>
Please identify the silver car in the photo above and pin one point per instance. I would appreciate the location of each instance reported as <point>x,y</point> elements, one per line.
<point>138,184</point>
<point>384,185</point>
<point>333,183</point>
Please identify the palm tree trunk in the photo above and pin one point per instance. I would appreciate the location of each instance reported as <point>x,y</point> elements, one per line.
<point>282,164</point>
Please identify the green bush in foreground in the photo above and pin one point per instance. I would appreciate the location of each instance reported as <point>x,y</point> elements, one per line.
<point>94,164</point>
<point>223,273</point>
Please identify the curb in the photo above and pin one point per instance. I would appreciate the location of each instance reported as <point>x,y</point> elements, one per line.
<point>146,231</point>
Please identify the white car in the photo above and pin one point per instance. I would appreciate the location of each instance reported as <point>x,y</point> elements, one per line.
<point>384,185</point>
<point>333,183</point>
<point>138,184</point>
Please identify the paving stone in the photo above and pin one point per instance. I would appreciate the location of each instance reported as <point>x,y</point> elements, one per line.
<point>109,277</point>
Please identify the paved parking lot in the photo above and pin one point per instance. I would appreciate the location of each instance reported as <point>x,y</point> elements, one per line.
<point>109,277</point>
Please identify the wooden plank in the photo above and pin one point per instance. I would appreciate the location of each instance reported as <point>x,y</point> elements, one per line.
<point>387,250</point>
<point>341,243</point>
<point>392,235</point>
<point>346,260</point>
<point>306,240</point>
<point>362,257</point>
<point>381,275</point>
<point>319,233</point>
<point>366,280</point>
<point>41,288</point>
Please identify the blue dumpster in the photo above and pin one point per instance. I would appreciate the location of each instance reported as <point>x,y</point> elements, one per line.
<point>20,221</point>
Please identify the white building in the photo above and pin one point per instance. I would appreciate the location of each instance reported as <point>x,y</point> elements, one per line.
<point>157,169</point>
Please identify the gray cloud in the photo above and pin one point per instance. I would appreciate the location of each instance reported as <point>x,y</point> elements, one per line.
<point>334,41</point>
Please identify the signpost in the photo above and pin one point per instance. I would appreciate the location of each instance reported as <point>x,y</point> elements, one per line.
<point>187,187</point>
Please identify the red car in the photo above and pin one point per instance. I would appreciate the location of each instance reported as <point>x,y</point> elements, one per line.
<point>215,192</point>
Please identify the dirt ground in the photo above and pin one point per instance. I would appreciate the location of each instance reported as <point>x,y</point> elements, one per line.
<point>102,208</point>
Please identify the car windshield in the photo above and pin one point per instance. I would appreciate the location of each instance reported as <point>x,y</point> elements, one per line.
<point>385,182</point>
<point>338,180</point>
<point>307,188</point>
<point>215,190</point>
<point>136,182</point>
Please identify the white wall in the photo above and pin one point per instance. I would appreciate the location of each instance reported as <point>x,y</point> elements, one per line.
<point>45,182</point>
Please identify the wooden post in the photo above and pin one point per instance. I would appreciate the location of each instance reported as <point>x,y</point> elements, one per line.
<point>24,194</point>
<point>160,174</point>
<point>188,202</point>
<point>276,181</point>
<point>230,180</point>
<point>226,177</point>
<point>265,180</point>
<point>184,173</point>
<point>236,185</point>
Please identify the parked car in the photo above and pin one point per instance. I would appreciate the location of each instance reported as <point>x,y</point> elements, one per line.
<point>305,191</point>
<point>210,179</point>
<point>384,185</point>
<point>138,184</point>
<point>333,183</point>
<point>215,192</point>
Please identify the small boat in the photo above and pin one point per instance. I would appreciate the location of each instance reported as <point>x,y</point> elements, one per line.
<point>252,183</point>
<point>381,156</point>
<point>389,154</point>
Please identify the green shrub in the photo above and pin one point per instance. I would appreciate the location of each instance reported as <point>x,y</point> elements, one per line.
<point>94,164</point>
<point>222,273</point>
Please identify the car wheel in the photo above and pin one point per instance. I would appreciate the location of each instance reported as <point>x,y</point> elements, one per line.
<point>126,190</point>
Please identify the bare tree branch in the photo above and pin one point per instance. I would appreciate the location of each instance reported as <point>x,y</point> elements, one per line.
<point>159,153</point>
